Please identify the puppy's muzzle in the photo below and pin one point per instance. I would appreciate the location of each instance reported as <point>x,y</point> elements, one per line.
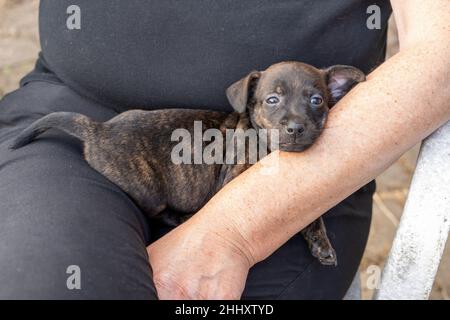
<point>294,128</point>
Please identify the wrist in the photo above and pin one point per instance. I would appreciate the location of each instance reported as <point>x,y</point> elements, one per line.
<point>223,234</point>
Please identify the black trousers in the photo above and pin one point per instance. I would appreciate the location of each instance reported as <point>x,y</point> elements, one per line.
<point>57,212</point>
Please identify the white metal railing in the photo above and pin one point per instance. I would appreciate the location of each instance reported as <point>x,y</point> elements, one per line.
<point>424,227</point>
<point>420,239</point>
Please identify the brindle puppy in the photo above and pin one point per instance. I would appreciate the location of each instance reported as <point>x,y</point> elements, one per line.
<point>133,150</point>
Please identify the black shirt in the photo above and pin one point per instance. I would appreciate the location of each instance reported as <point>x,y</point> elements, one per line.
<point>173,53</point>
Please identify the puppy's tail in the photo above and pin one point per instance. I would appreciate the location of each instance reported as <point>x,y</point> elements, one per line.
<point>74,124</point>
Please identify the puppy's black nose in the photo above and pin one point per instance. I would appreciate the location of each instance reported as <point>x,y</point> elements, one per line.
<point>294,128</point>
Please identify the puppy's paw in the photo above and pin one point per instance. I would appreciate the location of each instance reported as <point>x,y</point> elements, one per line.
<point>325,254</point>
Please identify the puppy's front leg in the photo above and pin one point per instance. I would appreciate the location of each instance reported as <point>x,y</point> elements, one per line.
<point>316,236</point>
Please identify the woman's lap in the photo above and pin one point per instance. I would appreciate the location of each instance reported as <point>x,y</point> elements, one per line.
<point>56,211</point>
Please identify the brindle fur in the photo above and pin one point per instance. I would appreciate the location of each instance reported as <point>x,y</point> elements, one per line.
<point>133,150</point>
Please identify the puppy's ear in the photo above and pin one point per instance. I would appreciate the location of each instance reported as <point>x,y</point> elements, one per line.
<point>238,93</point>
<point>341,79</point>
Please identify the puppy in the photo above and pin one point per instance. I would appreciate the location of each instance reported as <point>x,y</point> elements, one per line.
<point>133,150</point>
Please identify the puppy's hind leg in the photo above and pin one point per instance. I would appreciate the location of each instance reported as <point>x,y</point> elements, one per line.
<point>316,236</point>
<point>130,173</point>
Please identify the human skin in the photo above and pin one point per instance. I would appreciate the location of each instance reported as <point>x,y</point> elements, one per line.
<point>401,103</point>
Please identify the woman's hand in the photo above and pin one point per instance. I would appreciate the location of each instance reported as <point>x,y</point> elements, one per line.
<point>198,261</point>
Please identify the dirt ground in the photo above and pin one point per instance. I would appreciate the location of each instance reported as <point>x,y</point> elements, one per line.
<point>19,45</point>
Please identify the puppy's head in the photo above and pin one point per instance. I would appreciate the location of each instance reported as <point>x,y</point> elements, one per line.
<point>293,98</point>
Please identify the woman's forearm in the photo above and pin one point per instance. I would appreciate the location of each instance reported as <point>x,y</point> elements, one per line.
<point>401,103</point>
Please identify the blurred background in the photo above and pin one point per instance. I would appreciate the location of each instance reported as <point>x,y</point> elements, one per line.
<point>19,45</point>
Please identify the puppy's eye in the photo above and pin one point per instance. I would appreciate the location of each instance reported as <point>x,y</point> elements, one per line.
<point>316,100</point>
<point>272,100</point>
